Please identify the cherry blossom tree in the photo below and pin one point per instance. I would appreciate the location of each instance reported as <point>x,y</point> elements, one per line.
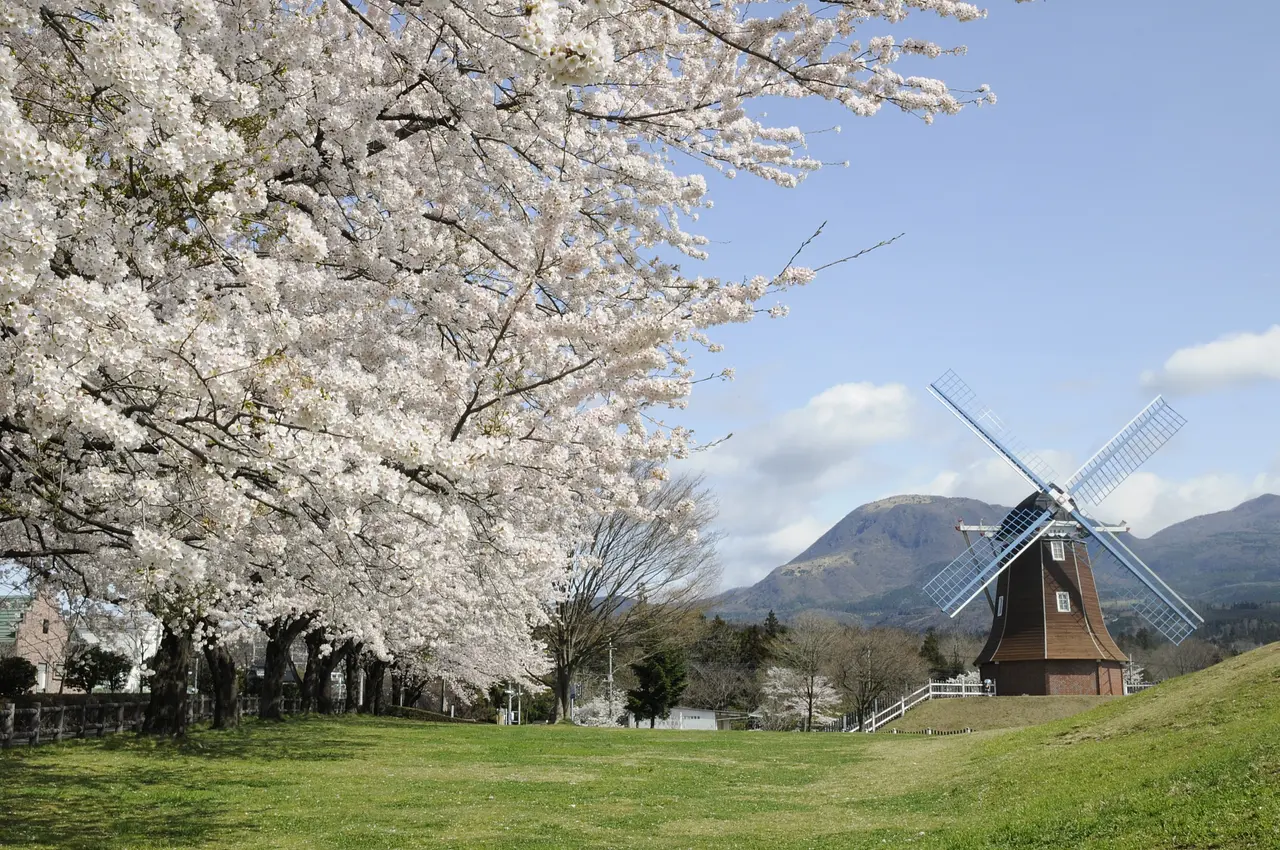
<point>318,311</point>
<point>804,654</point>
<point>795,699</point>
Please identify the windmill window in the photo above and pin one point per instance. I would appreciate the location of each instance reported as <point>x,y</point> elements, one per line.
<point>999,606</point>
<point>1057,550</point>
<point>44,627</point>
<point>1064,602</point>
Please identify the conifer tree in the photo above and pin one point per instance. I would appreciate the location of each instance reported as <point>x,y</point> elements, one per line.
<point>660,680</point>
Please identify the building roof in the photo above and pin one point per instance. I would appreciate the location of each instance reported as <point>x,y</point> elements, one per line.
<point>11,610</point>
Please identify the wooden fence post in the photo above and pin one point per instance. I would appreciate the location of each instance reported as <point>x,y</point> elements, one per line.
<point>35,729</point>
<point>120,717</point>
<point>6,725</point>
<point>62,718</point>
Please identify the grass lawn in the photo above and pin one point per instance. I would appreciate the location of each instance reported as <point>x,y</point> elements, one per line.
<point>1003,713</point>
<point>1193,763</point>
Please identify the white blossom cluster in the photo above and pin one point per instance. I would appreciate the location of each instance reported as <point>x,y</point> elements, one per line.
<point>599,712</point>
<point>361,311</point>
<point>790,695</point>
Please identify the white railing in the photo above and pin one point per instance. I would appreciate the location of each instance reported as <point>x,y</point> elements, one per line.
<point>932,690</point>
<point>1134,687</point>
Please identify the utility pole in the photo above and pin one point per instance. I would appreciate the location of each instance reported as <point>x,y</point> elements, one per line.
<point>508,703</point>
<point>610,679</point>
<point>519,706</point>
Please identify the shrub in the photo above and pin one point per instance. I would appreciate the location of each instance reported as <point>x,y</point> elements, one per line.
<point>17,676</point>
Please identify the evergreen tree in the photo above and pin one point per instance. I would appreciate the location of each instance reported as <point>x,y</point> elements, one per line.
<point>772,628</point>
<point>753,647</point>
<point>660,680</point>
<point>931,652</point>
<point>940,666</point>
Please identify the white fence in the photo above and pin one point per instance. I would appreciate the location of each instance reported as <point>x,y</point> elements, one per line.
<point>933,690</point>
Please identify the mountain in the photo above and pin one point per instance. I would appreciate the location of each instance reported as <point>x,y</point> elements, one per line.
<point>1230,556</point>
<point>880,552</point>
<point>871,565</point>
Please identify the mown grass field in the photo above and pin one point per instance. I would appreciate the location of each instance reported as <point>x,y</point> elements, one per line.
<point>1002,713</point>
<point>1193,763</point>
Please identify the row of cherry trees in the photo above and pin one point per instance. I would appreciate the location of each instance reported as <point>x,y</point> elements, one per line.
<point>345,321</point>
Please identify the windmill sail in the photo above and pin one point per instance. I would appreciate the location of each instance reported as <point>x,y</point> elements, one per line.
<point>1115,461</point>
<point>966,576</point>
<point>964,403</point>
<point>1166,611</point>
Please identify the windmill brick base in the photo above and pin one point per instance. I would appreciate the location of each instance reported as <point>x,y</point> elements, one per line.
<point>1047,636</point>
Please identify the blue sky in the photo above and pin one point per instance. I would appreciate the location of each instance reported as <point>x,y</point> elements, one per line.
<point>1068,251</point>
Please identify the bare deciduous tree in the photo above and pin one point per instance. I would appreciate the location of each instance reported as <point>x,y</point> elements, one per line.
<point>718,685</point>
<point>874,664</point>
<point>1167,660</point>
<point>806,651</point>
<point>639,575</point>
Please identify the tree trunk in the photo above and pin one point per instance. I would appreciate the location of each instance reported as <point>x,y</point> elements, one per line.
<point>375,670</point>
<point>353,678</point>
<point>652,722</point>
<point>413,691</point>
<point>315,640</point>
<point>226,691</point>
<point>564,676</point>
<point>324,677</point>
<point>280,636</point>
<point>167,710</point>
<point>397,688</point>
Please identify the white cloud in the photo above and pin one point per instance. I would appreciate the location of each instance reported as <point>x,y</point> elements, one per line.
<point>769,478</point>
<point>1146,501</point>
<point>1237,358</point>
<point>1149,503</point>
<point>991,479</point>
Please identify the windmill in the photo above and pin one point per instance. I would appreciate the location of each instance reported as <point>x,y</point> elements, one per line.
<point>1047,634</point>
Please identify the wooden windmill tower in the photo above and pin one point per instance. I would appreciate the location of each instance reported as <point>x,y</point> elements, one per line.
<point>1047,632</point>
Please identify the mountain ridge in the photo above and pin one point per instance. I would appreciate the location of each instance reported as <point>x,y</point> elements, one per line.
<point>871,564</point>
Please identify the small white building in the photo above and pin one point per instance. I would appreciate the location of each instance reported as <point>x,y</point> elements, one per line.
<point>681,717</point>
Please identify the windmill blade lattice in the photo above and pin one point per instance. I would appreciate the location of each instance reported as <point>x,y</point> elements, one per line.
<point>1128,450</point>
<point>966,576</point>
<point>1166,611</point>
<point>964,403</point>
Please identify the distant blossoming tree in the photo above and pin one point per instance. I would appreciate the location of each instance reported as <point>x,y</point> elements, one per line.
<point>795,699</point>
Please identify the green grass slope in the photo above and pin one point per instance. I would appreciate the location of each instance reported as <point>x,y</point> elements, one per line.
<point>982,713</point>
<point>1192,763</point>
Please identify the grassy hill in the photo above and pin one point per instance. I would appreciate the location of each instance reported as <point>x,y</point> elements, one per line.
<point>1194,762</point>
<point>982,714</point>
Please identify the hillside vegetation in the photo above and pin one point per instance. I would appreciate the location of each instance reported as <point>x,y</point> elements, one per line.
<point>1194,762</point>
